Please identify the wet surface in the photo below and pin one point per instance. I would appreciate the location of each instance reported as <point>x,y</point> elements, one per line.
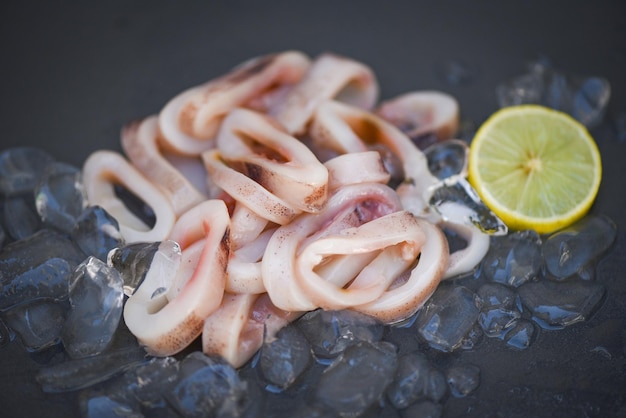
<point>75,75</point>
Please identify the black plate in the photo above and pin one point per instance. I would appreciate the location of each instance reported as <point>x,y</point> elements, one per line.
<point>73,74</point>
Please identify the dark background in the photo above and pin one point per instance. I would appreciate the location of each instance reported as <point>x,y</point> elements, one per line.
<point>73,73</point>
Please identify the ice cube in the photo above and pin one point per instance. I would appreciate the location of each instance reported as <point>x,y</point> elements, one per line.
<point>555,305</point>
<point>584,98</point>
<point>39,324</point>
<point>82,373</point>
<point>330,332</point>
<point>496,321</point>
<point>21,168</point>
<point>521,335</point>
<point>208,388</point>
<point>285,357</point>
<point>149,382</point>
<point>20,217</point>
<point>410,382</point>
<point>591,97</point>
<point>96,232</point>
<point>463,379</point>
<point>23,255</point>
<point>60,197</point>
<point>448,317</point>
<point>456,200</point>
<point>135,261</point>
<point>570,249</point>
<point>499,309</point>
<point>513,259</point>
<point>357,378</point>
<point>495,295</point>
<point>46,281</point>
<point>525,89</point>
<point>96,297</point>
<point>472,338</point>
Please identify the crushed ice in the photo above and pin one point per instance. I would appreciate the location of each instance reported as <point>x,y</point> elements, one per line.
<point>584,98</point>
<point>64,271</point>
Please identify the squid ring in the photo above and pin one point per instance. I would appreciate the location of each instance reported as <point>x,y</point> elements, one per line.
<point>101,171</point>
<point>196,290</point>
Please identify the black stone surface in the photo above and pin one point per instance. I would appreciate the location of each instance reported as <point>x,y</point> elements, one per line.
<point>73,73</point>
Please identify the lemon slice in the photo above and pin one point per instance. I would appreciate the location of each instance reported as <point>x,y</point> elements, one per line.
<point>534,167</point>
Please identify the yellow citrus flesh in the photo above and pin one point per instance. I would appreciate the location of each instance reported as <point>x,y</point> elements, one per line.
<point>534,167</point>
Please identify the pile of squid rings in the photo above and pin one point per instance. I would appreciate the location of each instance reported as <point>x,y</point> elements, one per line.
<point>288,188</point>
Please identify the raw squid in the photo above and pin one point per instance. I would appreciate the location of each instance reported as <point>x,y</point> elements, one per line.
<point>195,291</point>
<point>310,201</point>
<point>140,141</point>
<point>190,121</point>
<point>101,171</point>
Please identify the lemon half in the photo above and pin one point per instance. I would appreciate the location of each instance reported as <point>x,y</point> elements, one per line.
<point>534,167</point>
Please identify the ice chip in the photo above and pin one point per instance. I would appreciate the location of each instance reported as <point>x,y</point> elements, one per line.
<point>330,332</point>
<point>46,281</point>
<point>82,373</point>
<point>524,89</point>
<point>357,378</point>
<point>463,379</point>
<point>499,310</point>
<point>455,199</point>
<point>521,335</point>
<point>495,295</point>
<point>409,383</point>
<point>448,317</point>
<point>208,388</point>
<point>472,338</point>
<point>21,168</point>
<point>23,255</point>
<point>590,100</point>
<point>436,388</point>
<point>96,232</point>
<point>513,259</point>
<point>60,197</point>
<point>135,261</point>
<point>584,98</point>
<point>195,361</point>
<point>38,324</point>
<point>149,382</point>
<point>586,272</point>
<point>285,357</point>
<point>555,305</point>
<point>569,250</point>
<point>96,299</point>
<point>20,217</point>
<point>496,321</point>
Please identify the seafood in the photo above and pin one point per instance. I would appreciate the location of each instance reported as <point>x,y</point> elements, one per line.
<point>310,200</point>
<point>101,171</point>
<point>170,321</point>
